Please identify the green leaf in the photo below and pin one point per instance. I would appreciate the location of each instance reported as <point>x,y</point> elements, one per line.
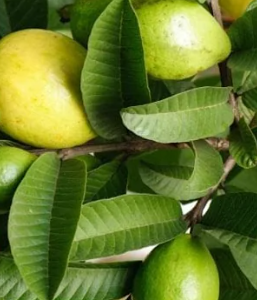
<point>233,284</point>
<point>249,99</point>
<point>16,15</point>
<point>231,219</point>
<point>108,180</point>
<point>243,145</point>
<point>242,180</point>
<point>244,42</point>
<point>81,282</point>
<point>248,82</point>
<point>186,183</point>
<point>114,74</point>
<point>43,220</point>
<point>54,19</point>
<point>113,226</point>
<point>189,116</point>
<point>91,161</point>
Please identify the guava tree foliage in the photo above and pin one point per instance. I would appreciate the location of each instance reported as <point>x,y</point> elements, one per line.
<point>160,145</point>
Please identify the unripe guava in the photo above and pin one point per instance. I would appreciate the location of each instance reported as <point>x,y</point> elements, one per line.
<point>14,163</point>
<point>180,38</point>
<point>40,98</point>
<point>182,269</point>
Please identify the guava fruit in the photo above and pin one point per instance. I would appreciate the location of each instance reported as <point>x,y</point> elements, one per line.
<point>234,8</point>
<point>182,269</point>
<point>40,98</point>
<point>14,163</point>
<point>180,37</point>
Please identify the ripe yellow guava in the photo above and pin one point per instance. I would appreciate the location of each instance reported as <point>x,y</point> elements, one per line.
<point>182,269</point>
<point>14,163</point>
<point>40,98</point>
<point>180,38</point>
<point>234,8</point>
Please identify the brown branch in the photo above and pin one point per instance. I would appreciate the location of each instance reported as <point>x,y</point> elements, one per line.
<point>130,147</point>
<point>195,215</point>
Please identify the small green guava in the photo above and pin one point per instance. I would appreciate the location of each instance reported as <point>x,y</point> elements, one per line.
<point>14,163</point>
<point>182,269</point>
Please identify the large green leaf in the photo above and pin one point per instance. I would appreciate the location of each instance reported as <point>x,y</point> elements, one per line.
<point>233,284</point>
<point>81,282</point>
<point>243,145</point>
<point>43,220</point>
<point>231,219</point>
<point>16,15</point>
<point>114,73</point>
<point>112,226</point>
<point>189,116</point>
<point>106,181</point>
<point>244,42</point>
<point>186,183</point>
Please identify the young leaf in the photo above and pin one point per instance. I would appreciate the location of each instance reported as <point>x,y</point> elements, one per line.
<point>233,284</point>
<point>114,73</point>
<point>244,42</point>
<point>112,226</point>
<point>81,282</point>
<point>43,220</point>
<point>243,145</point>
<point>16,15</point>
<point>231,219</point>
<point>189,116</point>
<point>108,180</point>
<point>186,183</point>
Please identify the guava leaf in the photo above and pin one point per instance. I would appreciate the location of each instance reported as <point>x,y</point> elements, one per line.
<point>249,82</point>
<point>16,15</point>
<point>233,283</point>
<point>81,281</point>
<point>106,181</point>
<point>243,145</point>
<point>186,183</point>
<point>116,225</point>
<point>241,180</point>
<point>189,116</point>
<point>231,219</point>
<point>114,74</point>
<point>244,42</point>
<point>43,220</point>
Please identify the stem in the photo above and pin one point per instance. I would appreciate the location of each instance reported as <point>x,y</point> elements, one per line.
<point>131,147</point>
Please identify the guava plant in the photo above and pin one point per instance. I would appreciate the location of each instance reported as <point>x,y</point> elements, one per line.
<point>155,146</point>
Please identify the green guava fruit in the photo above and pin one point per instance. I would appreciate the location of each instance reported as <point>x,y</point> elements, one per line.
<point>14,163</point>
<point>40,98</point>
<point>180,37</point>
<point>182,269</point>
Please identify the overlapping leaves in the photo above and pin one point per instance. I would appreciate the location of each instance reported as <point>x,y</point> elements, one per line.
<point>231,220</point>
<point>185,182</point>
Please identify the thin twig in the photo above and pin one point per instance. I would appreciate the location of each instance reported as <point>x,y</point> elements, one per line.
<point>131,147</point>
<point>195,215</point>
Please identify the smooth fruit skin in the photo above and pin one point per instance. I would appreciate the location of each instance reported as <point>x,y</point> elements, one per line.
<point>234,8</point>
<point>182,269</point>
<point>14,163</point>
<point>40,98</point>
<point>83,16</point>
<point>180,38</point>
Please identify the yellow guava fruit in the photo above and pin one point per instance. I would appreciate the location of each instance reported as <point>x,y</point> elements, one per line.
<point>40,98</point>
